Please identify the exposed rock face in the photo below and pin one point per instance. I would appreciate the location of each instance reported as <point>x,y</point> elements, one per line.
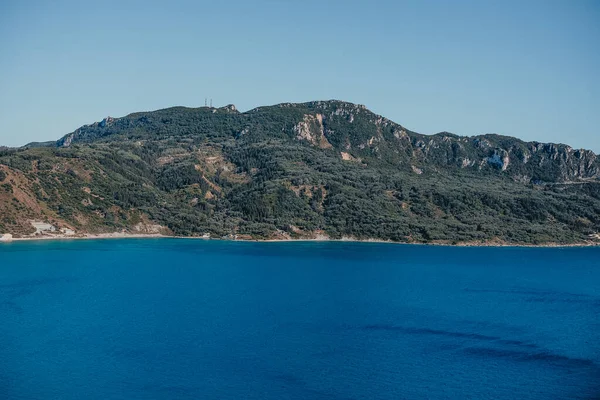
<point>148,228</point>
<point>499,159</point>
<point>83,132</point>
<point>66,142</point>
<point>570,164</point>
<point>229,108</point>
<point>311,129</point>
<point>416,170</point>
<point>106,122</point>
<point>348,157</point>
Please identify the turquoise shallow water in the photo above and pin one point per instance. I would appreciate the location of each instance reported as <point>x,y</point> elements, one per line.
<point>190,319</point>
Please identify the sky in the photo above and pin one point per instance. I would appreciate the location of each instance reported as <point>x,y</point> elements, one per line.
<point>529,69</point>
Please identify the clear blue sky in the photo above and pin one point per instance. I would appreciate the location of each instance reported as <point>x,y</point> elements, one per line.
<point>529,69</point>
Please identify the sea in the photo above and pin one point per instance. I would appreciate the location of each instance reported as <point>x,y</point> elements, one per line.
<point>208,319</point>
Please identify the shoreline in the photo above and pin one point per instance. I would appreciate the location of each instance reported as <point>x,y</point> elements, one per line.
<point>322,239</point>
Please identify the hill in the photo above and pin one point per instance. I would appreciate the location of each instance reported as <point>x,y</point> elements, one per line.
<point>324,168</point>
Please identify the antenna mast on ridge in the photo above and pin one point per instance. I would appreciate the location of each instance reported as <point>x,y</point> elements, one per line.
<point>205,102</point>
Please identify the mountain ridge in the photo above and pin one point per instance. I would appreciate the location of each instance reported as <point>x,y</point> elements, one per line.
<point>589,168</point>
<point>307,104</point>
<point>292,104</point>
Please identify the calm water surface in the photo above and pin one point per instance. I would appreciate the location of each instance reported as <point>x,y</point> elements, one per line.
<point>190,319</point>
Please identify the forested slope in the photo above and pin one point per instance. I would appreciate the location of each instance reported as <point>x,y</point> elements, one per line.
<point>297,171</point>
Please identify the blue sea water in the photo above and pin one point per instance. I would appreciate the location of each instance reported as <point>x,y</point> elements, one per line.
<point>192,319</point>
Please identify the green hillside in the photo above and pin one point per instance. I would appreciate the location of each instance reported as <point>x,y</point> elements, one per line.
<point>299,171</point>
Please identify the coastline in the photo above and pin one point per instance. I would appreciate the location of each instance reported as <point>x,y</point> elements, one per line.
<point>320,238</point>
<point>115,235</point>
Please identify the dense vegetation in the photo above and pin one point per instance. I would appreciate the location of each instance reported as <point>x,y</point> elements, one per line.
<point>298,170</point>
